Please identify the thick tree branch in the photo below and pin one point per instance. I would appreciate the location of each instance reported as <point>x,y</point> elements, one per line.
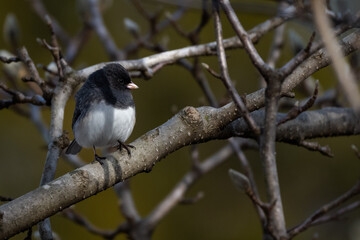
<point>327,122</point>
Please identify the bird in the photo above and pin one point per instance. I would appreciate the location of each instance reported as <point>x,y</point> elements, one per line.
<point>104,114</point>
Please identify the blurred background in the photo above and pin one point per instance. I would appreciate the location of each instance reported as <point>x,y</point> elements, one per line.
<point>308,179</point>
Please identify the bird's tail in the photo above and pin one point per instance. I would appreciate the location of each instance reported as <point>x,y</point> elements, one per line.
<point>73,148</point>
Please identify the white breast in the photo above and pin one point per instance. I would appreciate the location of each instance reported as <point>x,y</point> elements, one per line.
<point>104,125</point>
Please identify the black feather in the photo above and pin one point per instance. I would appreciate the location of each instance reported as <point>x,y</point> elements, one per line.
<point>73,148</point>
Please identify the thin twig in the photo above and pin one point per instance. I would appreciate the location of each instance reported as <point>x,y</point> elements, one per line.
<point>72,215</point>
<point>126,202</point>
<point>177,194</point>
<point>295,111</point>
<point>42,12</point>
<point>277,43</point>
<point>211,71</point>
<point>310,48</point>
<point>34,74</point>
<point>235,96</point>
<point>54,48</point>
<point>314,146</point>
<point>337,215</point>
<point>98,25</point>
<point>252,191</point>
<point>132,47</point>
<point>19,97</point>
<point>198,50</point>
<point>224,71</point>
<point>264,69</point>
<point>139,7</point>
<point>355,190</point>
<point>77,43</point>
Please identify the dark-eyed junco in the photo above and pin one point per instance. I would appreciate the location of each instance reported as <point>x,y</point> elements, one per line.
<point>104,114</point>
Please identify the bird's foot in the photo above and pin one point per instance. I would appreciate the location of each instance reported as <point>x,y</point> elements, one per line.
<point>126,146</point>
<point>97,157</point>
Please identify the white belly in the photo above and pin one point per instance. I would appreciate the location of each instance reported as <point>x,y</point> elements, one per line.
<point>104,125</point>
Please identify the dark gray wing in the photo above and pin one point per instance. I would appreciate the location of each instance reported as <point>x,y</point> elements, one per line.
<point>73,148</point>
<point>77,113</point>
<point>84,97</point>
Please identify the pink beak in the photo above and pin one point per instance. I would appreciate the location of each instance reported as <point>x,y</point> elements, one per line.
<point>132,86</point>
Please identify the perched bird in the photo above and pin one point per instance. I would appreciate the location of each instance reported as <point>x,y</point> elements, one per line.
<point>104,113</point>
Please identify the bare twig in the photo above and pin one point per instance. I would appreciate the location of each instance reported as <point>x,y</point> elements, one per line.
<point>211,71</point>
<point>42,12</point>
<point>314,146</point>
<point>295,111</point>
<point>201,79</point>
<point>19,97</point>
<point>98,25</point>
<point>252,191</point>
<point>355,190</point>
<point>76,44</point>
<point>277,43</point>
<point>55,48</point>
<point>199,50</point>
<point>264,69</point>
<point>74,216</point>
<point>224,71</point>
<point>276,225</point>
<point>25,58</point>
<point>142,10</point>
<point>193,35</point>
<point>126,202</point>
<point>176,26</point>
<point>337,215</point>
<point>177,194</point>
<point>289,67</point>
<point>132,47</point>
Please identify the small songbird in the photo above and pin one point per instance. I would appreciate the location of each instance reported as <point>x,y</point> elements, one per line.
<point>104,113</point>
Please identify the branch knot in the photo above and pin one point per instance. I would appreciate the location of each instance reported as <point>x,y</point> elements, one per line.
<point>191,116</point>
